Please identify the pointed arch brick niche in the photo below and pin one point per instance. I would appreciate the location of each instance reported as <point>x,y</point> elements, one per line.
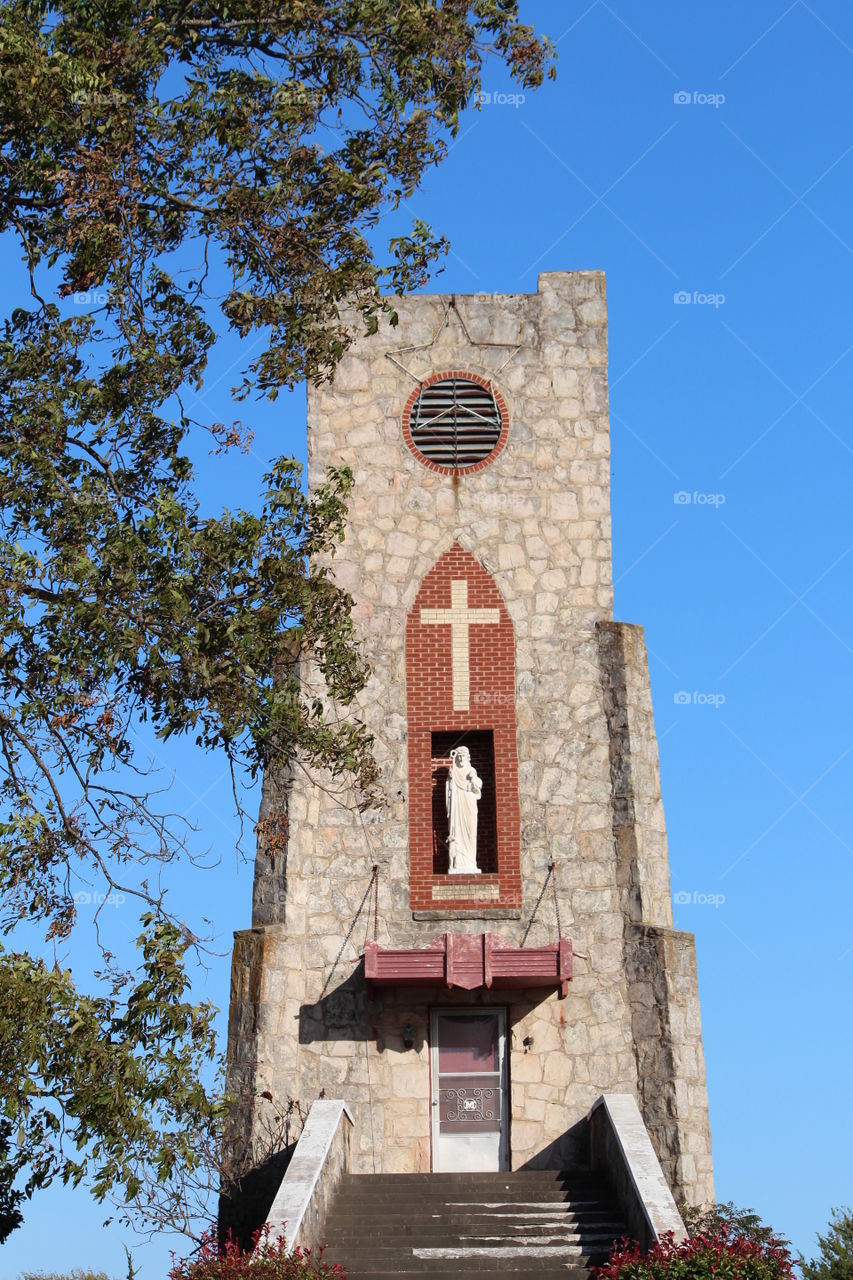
<point>460,688</point>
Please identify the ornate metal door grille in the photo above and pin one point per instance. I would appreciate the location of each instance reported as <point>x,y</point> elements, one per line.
<point>455,422</point>
<point>470,1104</point>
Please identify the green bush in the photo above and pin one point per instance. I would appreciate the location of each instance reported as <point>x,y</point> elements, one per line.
<point>708,1256</point>
<point>268,1260</point>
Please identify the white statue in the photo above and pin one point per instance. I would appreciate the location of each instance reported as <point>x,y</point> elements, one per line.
<point>464,789</point>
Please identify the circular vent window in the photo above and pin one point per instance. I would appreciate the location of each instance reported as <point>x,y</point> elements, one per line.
<point>455,422</point>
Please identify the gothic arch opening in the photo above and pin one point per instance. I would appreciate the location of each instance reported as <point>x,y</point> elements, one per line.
<point>460,687</point>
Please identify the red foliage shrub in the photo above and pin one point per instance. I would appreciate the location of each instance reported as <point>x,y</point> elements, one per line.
<point>266,1260</point>
<point>717,1256</point>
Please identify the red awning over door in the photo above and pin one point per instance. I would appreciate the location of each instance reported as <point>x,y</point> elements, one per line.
<point>470,960</point>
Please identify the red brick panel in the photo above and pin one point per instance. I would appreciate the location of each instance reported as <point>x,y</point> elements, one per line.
<point>490,717</point>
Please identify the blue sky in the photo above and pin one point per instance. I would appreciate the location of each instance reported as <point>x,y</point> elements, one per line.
<point>699,152</point>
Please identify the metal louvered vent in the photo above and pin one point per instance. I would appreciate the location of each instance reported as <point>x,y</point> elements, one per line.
<point>455,422</point>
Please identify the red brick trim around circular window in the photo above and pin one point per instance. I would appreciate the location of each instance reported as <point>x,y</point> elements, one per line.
<point>496,424</point>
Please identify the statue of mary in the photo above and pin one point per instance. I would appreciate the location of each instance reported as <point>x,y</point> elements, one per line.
<point>464,789</point>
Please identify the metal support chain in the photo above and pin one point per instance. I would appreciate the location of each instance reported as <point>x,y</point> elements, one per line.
<point>453,306</point>
<point>374,887</point>
<point>530,922</point>
<point>553,874</point>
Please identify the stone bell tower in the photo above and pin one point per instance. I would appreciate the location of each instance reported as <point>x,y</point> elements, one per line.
<point>471,996</point>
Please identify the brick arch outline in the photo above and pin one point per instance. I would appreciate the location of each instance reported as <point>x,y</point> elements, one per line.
<point>491,707</point>
<point>502,410</point>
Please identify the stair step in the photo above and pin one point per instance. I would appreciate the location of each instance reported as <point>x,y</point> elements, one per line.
<point>475,1223</point>
<point>485,1218</point>
<point>379,1245</point>
<point>350,1232</point>
<point>591,1201</point>
<point>520,1273</point>
<point>391,1206</point>
<point>456,1262</point>
<point>429,1215</point>
<point>462,1263</point>
<point>425,1257</point>
<point>466,1187</point>
<point>440,1181</point>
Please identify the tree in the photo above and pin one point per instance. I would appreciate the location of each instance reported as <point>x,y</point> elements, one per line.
<point>263,141</point>
<point>76,1274</point>
<point>738,1224</point>
<point>836,1250</point>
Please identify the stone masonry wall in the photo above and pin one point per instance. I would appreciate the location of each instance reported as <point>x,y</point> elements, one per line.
<point>537,520</point>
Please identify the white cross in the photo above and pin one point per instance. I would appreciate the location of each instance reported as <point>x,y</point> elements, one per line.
<point>460,618</point>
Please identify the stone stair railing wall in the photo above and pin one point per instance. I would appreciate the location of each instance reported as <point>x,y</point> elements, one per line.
<point>322,1157</point>
<point>621,1148</point>
<point>539,1221</point>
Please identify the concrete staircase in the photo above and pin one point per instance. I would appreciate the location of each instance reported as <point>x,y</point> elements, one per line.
<point>546,1224</point>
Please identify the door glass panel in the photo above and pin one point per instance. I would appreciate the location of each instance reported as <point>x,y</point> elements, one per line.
<point>467,1044</point>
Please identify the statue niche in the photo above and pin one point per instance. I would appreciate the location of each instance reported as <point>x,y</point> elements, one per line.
<point>464,827</point>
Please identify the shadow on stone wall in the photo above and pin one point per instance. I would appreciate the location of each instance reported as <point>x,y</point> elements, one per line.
<point>245,1211</point>
<point>341,1014</point>
<point>570,1149</point>
<point>348,1013</point>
